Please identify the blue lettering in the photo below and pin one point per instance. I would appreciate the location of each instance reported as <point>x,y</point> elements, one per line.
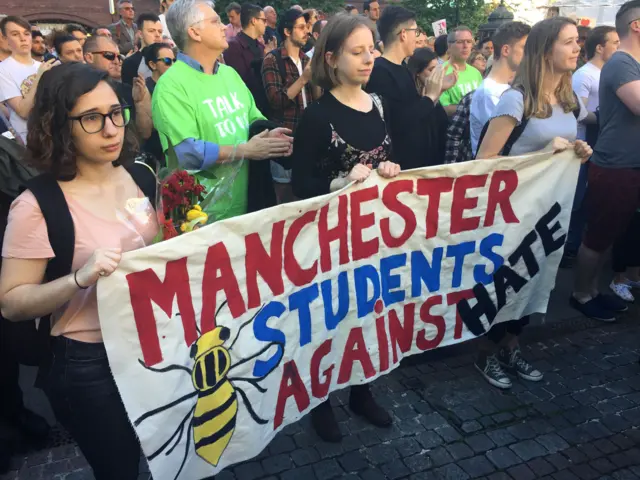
<point>300,301</point>
<point>331,319</point>
<point>265,333</point>
<point>422,271</point>
<point>459,252</point>
<point>362,277</point>
<point>392,282</point>
<point>487,245</point>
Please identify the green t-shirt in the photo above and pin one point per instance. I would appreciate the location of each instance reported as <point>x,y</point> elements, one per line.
<point>218,108</point>
<point>468,80</point>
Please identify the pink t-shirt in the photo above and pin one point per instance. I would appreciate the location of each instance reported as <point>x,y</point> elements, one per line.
<point>26,237</point>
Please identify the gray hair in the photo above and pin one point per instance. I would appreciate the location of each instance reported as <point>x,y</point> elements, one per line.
<point>451,37</point>
<point>122,2</point>
<point>182,15</point>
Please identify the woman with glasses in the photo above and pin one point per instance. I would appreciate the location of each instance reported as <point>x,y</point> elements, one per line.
<point>158,57</point>
<point>79,140</point>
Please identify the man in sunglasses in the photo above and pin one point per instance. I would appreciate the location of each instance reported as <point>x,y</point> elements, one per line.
<point>124,31</point>
<point>103,54</point>
<point>150,31</point>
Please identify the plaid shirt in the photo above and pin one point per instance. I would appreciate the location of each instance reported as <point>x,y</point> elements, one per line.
<point>458,147</point>
<point>285,111</point>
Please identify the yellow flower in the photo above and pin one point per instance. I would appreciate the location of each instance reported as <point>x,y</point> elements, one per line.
<point>196,213</point>
<point>183,227</point>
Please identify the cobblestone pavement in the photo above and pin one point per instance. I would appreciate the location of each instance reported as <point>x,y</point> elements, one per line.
<point>581,422</point>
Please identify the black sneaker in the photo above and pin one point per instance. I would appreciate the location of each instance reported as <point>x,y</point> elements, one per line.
<point>593,309</point>
<point>514,362</point>
<point>361,402</point>
<point>325,424</point>
<point>612,303</point>
<point>491,370</point>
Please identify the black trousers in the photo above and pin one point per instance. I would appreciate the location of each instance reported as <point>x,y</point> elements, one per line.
<point>10,393</point>
<point>513,327</point>
<point>85,400</point>
<point>626,250</point>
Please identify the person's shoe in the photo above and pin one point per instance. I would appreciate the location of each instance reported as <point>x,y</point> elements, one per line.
<point>491,370</point>
<point>593,309</point>
<point>612,303</point>
<point>361,402</point>
<point>623,291</point>
<point>568,260</point>
<point>514,361</point>
<point>632,283</point>
<point>325,424</point>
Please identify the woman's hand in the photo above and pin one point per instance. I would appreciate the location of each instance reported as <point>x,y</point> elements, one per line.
<point>583,150</point>
<point>433,84</point>
<point>388,169</point>
<point>558,144</point>
<point>359,173</point>
<point>102,263</point>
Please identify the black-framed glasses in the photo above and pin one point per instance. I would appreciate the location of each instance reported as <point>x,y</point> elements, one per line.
<point>94,122</point>
<point>111,56</point>
<point>418,31</point>
<point>168,61</point>
<point>264,19</point>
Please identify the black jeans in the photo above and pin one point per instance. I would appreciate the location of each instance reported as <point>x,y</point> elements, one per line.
<point>513,327</point>
<point>626,250</point>
<point>85,400</point>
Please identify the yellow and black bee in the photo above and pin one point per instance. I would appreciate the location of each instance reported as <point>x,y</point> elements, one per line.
<point>213,417</point>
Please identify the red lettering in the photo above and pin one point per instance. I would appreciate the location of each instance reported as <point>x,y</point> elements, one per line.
<point>355,350</point>
<point>433,188</point>
<point>390,200</point>
<point>321,389</point>
<point>461,202</point>
<point>452,299</point>
<point>299,276</point>
<point>218,275</point>
<point>383,344</point>
<point>327,235</point>
<point>360,248</point>
<point>268,265</point>
<point>401,335</point>
<point>502,198</point>
<point>436,320</point>
<point>145,287</point>
<point>291,385</point>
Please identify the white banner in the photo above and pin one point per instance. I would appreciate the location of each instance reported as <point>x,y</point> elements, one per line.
<point>219,338</point>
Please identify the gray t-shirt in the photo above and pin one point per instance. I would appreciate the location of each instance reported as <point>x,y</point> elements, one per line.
<point>539,131</point>
<point>618,144</point>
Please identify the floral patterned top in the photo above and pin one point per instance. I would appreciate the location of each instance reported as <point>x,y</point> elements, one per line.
<point>331,139</point>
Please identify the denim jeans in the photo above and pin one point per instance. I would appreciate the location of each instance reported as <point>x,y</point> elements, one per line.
<point>85,400</point>
<point>578,213</point>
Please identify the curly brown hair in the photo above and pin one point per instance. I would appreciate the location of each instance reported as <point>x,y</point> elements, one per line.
<point>50,147</point>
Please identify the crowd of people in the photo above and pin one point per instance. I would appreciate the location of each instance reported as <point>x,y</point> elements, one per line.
<point>273,107</point>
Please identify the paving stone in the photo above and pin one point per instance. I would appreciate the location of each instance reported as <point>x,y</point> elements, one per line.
<point>480,443</point>
<point>471,427</point>
<point>602,465</point>
<point>521,472</point>
<point>460,450</point>
<point>248,471</point>
<point>439,456</point>
<point>528,449</point>
<point>449,472</point>
<point>277,464</point>
<point>476,466</point>
<point>503,458</point>
<point>575,456</point>
<point>606,446</point>
<point>522,431</point>
<point>558,460</point>
<point>449,434</point>
<point>327,469</point>
<point>540,467</point>
<point>418,463</point>
<point>552,442</point>
<point>502,437</point>
<point>372,474</point>
<point>353,461</point>
<point>306,473</point>
<point>302,457</point>
<point>429,440</point>
<point>281,444</point>
<point>406,446</point>
<point>585,472</point>
<point>395,470</point>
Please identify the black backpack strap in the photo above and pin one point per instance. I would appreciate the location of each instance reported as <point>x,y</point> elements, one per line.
<point>576,111</point>
<point>60,228</point>
<point>280,61</point>
<point>146,179</point>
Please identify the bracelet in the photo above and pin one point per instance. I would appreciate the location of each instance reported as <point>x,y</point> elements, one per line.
<point>75,278</point>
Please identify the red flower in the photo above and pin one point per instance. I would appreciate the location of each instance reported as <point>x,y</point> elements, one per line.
<point>169,230</point>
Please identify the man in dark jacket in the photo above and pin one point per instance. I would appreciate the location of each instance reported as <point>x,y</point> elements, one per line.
<point>150,31</point>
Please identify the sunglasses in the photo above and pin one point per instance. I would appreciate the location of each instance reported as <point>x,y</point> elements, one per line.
<point>168,61</point>
<point>110,56</point>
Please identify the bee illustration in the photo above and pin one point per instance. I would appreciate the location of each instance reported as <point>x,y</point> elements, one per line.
<point>213,417</point>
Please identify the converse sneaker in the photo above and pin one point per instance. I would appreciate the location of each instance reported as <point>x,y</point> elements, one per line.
<point>513,361</point>
<point>490,369</point>
<point>623,291</point>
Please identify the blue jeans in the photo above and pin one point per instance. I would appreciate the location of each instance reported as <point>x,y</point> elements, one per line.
<point>578,213</point>
<point>85,400</point>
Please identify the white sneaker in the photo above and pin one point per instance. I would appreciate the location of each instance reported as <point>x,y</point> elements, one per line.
<point>623,291</point>
<point>632,283</point>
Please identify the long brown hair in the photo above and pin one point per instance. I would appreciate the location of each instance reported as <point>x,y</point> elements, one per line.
<point>536,66</point>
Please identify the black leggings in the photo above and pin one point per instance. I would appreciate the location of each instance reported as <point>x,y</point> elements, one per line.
<point>626,250</point>
<point>513,327</point>
<point>85,400</point>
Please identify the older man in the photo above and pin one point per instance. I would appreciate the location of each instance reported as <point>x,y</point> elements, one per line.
<point>203,112</point>
<point>271,31</point>
<point>102,53</point>
<point>124,31</point>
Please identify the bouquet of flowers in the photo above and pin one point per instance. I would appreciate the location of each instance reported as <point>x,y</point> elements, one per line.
<point>181,196</point>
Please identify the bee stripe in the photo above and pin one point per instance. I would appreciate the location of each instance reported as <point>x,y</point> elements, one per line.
<point>214,437</point>
<point>211,414</point>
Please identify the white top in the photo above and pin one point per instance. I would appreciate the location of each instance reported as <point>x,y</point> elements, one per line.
<point>298,63</point>
<point>483,104</point>
<point>586,84</point>
<point>165,29</point>
<point>16,80</point>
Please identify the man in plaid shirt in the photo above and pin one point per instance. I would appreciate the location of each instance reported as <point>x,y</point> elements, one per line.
<point>288,92</point>
<point>458,147</point>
